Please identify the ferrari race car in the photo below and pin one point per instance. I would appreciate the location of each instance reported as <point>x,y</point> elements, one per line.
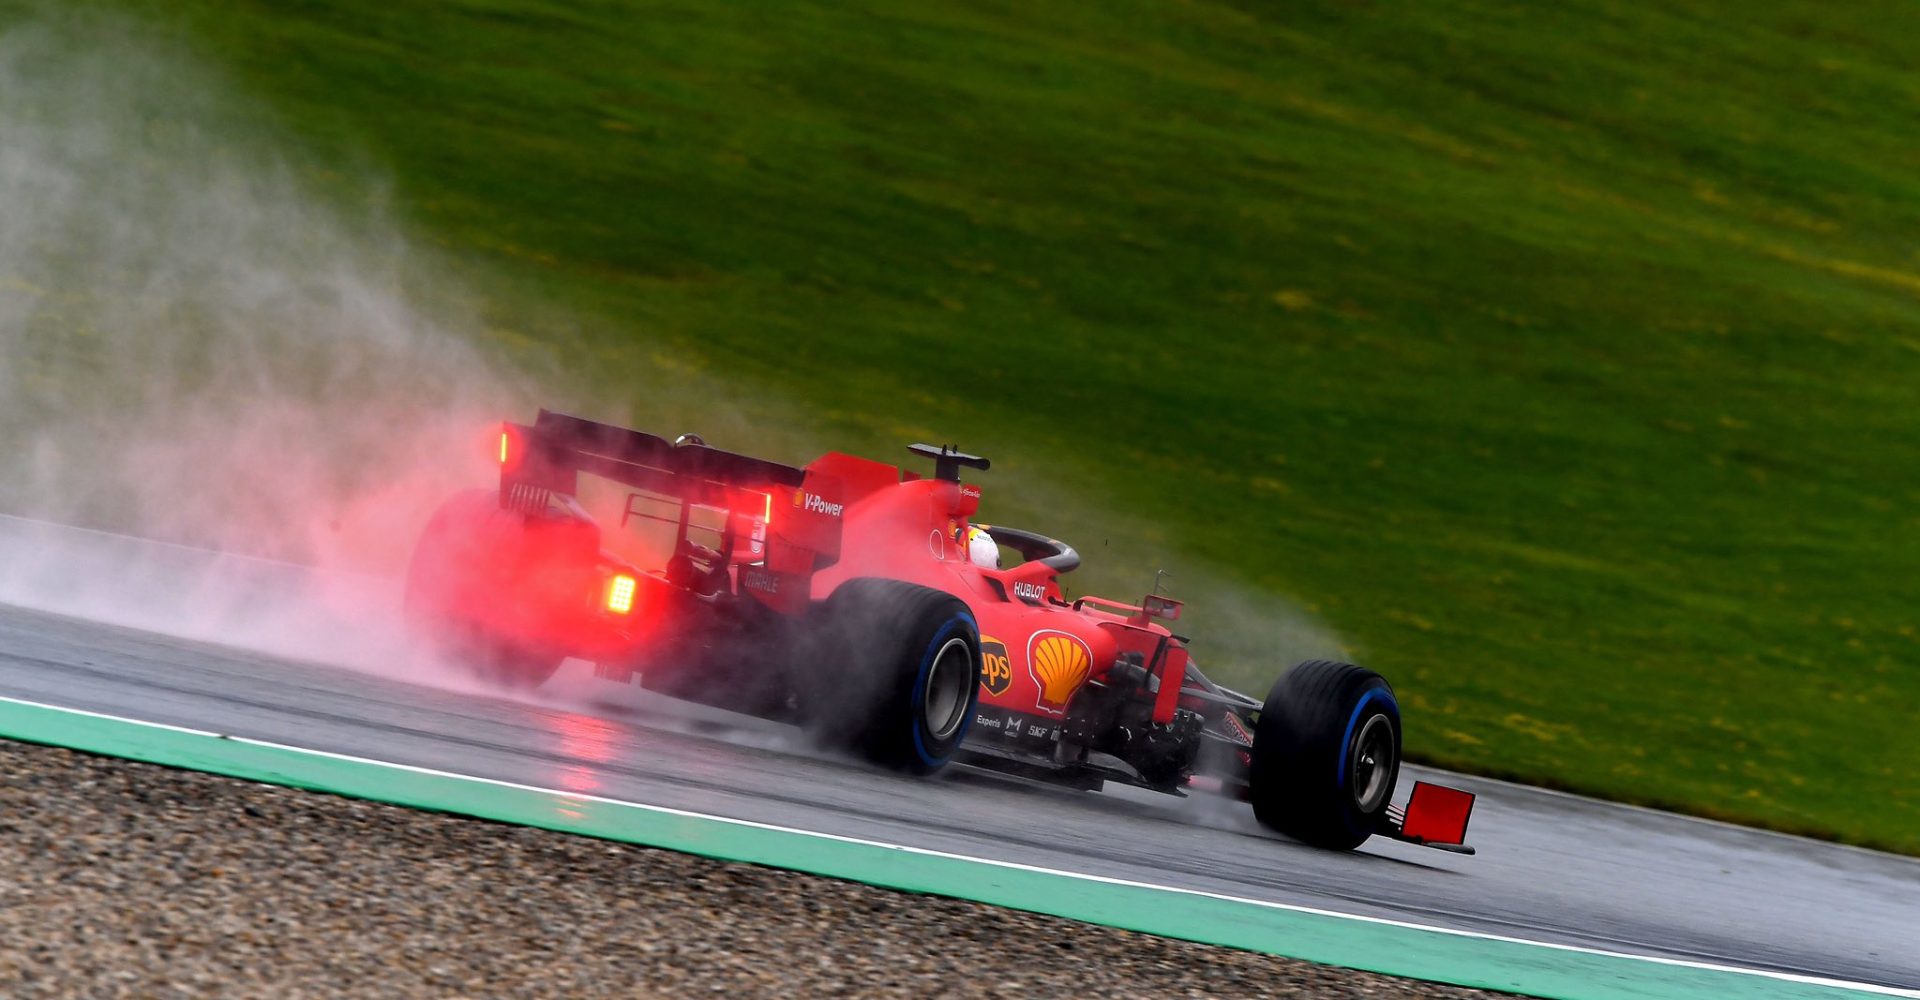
<point>841,597</point>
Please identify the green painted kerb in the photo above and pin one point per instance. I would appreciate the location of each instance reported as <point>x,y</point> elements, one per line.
<point>1400,951</point>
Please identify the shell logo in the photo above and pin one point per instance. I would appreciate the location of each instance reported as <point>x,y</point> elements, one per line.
<point>1059,663</point>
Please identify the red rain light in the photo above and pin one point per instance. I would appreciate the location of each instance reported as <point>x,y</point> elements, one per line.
<point>620,594</point>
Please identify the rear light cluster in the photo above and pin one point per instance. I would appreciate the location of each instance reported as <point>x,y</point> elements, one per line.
<point>620,594</point>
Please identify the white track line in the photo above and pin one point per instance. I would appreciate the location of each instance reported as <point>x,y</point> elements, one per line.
<point>991,862</point>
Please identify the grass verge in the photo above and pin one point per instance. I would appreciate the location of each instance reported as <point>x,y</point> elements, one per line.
<point>1562,359</point>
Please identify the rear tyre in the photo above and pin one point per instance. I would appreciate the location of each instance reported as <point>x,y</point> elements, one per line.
<point>502,663</point>
<point>453,569</point>
<point>894,674</point>
<point>1326,754</point>
<point>450,561</point>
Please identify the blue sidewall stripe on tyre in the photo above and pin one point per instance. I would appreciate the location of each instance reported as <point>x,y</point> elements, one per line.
<point>920,690</point>
<point>1354,720</point>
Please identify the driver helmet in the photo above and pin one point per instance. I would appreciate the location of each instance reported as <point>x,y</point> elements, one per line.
<point>981,548</point>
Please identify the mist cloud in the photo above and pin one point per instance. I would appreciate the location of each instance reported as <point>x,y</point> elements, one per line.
<point>193,346</point>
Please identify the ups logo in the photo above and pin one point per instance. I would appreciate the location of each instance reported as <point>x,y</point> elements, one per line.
<point>996,669</point>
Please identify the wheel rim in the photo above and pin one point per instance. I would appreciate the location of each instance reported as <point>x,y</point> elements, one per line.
<point>1372,764</point>
<point>948,684</point>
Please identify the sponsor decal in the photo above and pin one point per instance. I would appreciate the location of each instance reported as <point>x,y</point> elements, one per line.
<point>970,491</point>
<point>1238,731</point>
<point>1059,664</point>
<point>821,505</point>
<point>799,498</point>
<point>757,538</point>
<point>762,580</point>
<point>996,667</point>
<point>1032,593</point>
<point>1020,728</point>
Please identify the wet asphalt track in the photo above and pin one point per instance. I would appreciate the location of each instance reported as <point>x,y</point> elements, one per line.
<point>1551,867</point>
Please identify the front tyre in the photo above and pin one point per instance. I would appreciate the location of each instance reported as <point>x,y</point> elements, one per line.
<point>896,674</point>
<point>1326,754</point>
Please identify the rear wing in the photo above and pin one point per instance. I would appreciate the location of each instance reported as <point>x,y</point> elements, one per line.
<point>548,456</point>
<point>781,520</point>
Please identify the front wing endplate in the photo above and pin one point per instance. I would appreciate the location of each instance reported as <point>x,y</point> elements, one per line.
<point>1435,816</point>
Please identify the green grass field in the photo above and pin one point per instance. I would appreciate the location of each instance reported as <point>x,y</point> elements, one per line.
<point>1562,358</point>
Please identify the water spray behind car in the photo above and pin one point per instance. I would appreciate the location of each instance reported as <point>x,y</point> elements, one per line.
<point>195,348</point>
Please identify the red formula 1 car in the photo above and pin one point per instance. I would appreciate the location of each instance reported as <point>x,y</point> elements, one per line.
<point>843,597</point>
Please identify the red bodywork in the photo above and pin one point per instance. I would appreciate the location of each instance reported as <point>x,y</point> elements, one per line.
<point>1037,649</point>
<point>566,568</point>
